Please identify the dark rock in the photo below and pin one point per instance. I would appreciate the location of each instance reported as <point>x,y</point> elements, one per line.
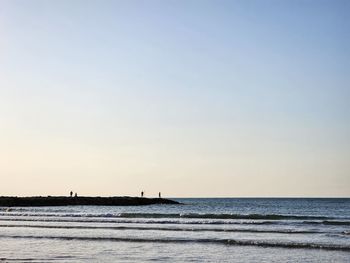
<point>81,200</point>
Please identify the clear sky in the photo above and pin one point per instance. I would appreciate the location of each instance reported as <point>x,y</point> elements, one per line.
<point>190,98</point>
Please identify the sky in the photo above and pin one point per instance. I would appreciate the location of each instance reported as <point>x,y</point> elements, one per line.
<point>190,98</point>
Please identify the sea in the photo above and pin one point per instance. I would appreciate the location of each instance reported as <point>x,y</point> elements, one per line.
<point>199,230</point>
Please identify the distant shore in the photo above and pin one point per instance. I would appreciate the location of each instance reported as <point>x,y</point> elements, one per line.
<point>9,201</point>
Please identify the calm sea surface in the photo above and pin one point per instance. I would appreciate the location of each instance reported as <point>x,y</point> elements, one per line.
<point>202,230</point>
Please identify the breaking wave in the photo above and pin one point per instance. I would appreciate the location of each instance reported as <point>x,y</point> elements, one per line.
<point>189,216</point>
<point>279,231</point>
<point>234,242</point>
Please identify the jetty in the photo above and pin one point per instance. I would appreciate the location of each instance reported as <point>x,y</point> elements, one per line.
<point>9,201</point>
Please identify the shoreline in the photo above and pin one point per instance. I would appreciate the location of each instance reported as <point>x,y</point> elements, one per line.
<point>9,201</point>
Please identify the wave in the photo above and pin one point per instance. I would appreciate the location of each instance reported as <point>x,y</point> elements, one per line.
<point>327,222</point>
<point>223,216</point>
<point>170,222</point>
<point>178,215</point>
<point>140,221</point>
<point>44,260</point>
<point>235,242</point>
<point>277,231</point>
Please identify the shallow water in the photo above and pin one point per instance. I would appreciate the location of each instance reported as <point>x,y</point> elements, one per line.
<point>202,230</point>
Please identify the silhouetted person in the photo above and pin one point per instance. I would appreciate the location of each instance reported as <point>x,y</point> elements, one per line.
<point>142,193</point>
<point>159,195</point>
<point>71,193</point>
<point>76,195</point>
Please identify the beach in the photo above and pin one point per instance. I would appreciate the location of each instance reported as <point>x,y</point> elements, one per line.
<point>175,131</point>
<point>201,230</point>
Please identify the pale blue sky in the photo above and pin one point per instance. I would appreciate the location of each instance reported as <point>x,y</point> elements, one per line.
<point>191,98</point>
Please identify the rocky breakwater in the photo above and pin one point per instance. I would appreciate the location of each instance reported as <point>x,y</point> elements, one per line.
<point>82,200</point>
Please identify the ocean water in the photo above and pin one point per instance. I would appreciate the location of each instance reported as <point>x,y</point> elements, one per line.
<point>201,230</point>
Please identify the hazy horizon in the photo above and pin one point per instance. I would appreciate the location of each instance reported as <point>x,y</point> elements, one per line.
<point>187,98</point>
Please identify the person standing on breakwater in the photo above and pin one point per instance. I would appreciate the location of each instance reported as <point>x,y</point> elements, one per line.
<point>71,193</point>
<point>142,193</point>
<point>159,195</point>
<point>76,195</point>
